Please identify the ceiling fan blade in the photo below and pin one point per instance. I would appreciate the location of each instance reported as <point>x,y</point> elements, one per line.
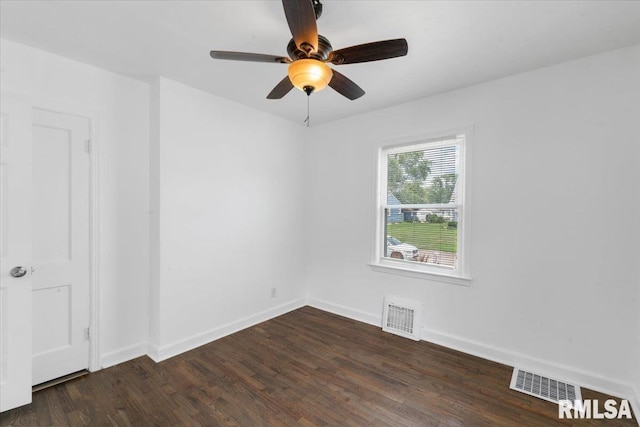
<point>374,51</point>
<point>301,18</point>
<point>252,57</point>
<point>281,89</point>
<point>341,84</point>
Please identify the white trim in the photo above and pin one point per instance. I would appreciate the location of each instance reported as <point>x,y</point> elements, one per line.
<point>461,276</point>
<point>511,358</point>
<point>122,355</point>
<point>94,220</point>
<point>344,311</point>
<point>507,357</point>
<point>567,373</point>
<point>94,207</point>
<point>158,354</point>
<point>94,245</point>
<point>425,275</point>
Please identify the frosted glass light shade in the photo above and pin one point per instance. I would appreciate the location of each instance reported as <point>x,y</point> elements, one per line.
<point>310,73</point>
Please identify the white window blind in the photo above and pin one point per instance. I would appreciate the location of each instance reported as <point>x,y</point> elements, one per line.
<point>422,206</point>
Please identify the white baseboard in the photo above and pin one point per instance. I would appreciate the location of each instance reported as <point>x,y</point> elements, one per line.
<point>495,354</point>
<point>341,310</point>
<point>507,357</point>
<point>159,354</point>
<point>545,367</point>
<point>122,355</point>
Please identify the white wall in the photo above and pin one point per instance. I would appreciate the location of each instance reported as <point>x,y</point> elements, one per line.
<point>243,202</point>
<point>226,198</point>
<point>636,367</point>
<point>122,109</point>
<point>222,183</point>
<point>636,408</point>
<point>554,228</point>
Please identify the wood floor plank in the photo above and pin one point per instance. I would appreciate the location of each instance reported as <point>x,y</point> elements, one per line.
<point>305,368</point>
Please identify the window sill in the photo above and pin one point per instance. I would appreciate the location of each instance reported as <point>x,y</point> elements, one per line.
<point>418,274</point>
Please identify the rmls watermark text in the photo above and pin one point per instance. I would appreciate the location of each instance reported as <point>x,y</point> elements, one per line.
<point>588,408</point>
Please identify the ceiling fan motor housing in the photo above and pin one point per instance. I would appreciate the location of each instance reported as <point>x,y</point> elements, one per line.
<point>309,53</point>
<point>322,54</point>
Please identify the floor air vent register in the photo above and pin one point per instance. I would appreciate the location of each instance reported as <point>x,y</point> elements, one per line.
<point>402,317</point>
<point>544,387</point>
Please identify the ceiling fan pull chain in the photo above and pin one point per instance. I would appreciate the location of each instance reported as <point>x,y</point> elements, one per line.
<point>308,120</point>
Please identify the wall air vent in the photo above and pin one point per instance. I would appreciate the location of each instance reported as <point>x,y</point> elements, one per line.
<point>544,387</point>
<point>402,318</point>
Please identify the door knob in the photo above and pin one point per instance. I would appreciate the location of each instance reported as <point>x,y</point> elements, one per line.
<point>18,271</point>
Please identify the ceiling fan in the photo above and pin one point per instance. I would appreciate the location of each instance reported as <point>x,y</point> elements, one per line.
<point>309,53</point>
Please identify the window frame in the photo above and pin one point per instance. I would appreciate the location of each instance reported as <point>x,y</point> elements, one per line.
<point>379,263</point>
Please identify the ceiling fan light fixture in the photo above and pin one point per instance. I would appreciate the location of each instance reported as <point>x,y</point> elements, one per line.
<point>310,73</point>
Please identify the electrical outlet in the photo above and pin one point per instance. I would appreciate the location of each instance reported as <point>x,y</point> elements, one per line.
<point>273,292</point>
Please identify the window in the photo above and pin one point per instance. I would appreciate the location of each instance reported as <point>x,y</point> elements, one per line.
<point>421,209</point>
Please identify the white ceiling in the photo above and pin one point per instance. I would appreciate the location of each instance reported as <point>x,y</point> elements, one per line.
<point>452,44</point>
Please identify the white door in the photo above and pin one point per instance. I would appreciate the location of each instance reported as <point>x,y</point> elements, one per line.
<point>60,218</point>
<point>15,251</point>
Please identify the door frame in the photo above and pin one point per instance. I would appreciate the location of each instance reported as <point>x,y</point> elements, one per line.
<point>94,209</point>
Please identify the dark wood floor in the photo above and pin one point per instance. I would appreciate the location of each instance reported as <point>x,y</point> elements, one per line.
<point>307,367</point>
